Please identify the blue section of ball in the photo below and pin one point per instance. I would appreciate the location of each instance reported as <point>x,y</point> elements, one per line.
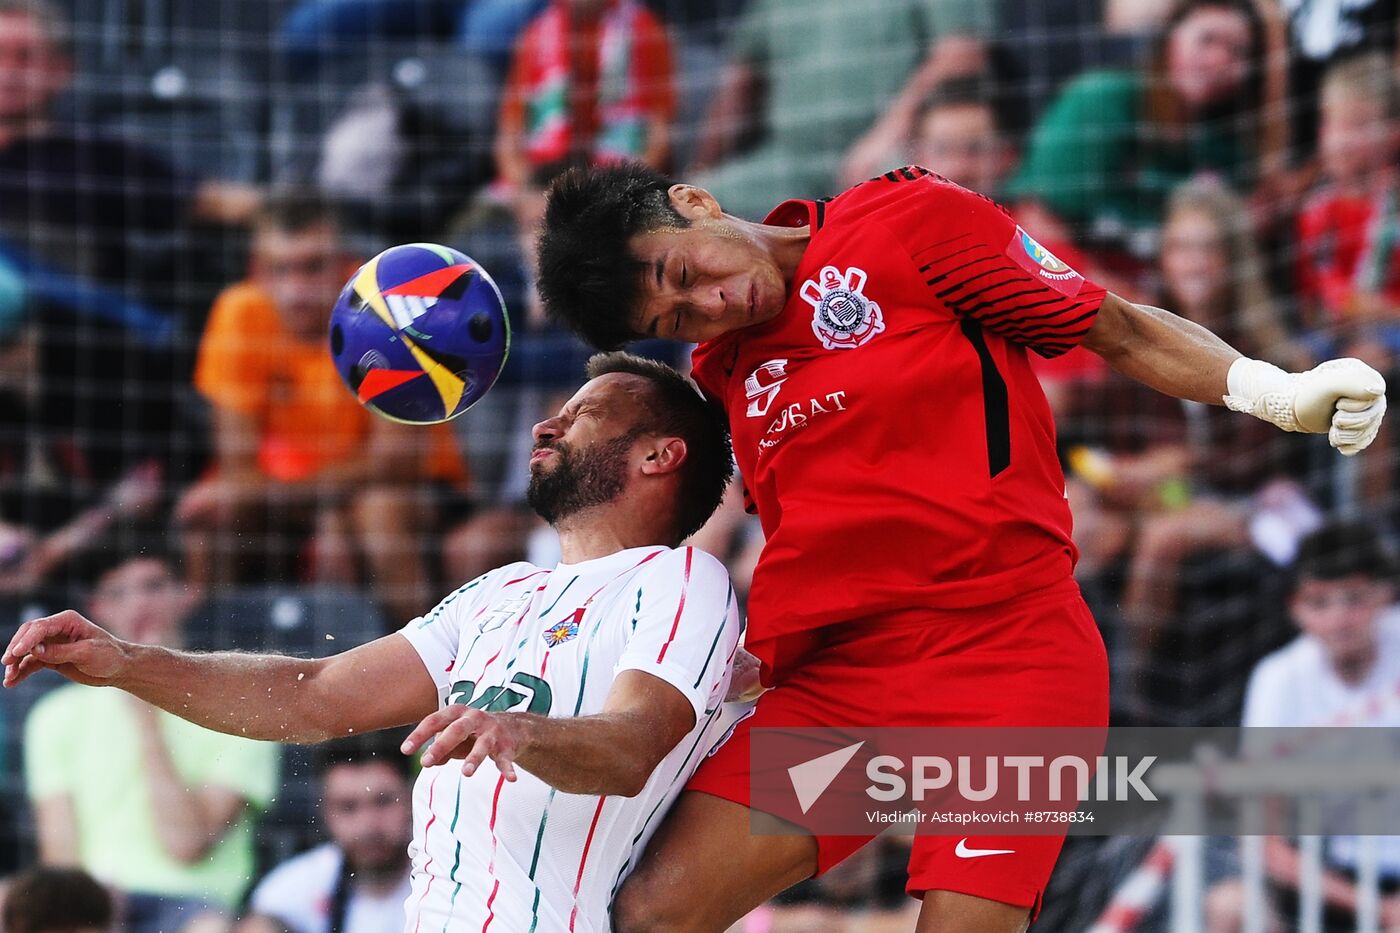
<point>419,333</point>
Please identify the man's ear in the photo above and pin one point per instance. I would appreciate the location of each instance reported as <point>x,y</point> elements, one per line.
<point>694,203</point>
<point>664,455</point>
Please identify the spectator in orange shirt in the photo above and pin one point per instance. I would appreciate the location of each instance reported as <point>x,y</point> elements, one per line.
<point>294,451</point>
<point>1349,231</point>
<point>591,80</point>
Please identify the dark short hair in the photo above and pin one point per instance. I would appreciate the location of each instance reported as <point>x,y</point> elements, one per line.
<point>590,279</point>
<point>366,748</point>
<point>973,90</point>
<point>1341,549</point>
<point>118,547</point>
<point>677,409</point>
<point>292,211</point>
<point>48,900</point>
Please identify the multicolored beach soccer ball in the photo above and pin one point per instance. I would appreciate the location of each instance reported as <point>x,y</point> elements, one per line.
<point>420,333</point>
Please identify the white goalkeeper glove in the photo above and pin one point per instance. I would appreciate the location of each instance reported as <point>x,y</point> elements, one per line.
<point>1345,399</point>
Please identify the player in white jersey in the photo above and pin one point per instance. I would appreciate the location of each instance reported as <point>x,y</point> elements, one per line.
<point>578,699</point>
<point>551,642</point>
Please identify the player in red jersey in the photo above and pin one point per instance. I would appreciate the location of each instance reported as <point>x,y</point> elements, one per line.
<point>871,352</point>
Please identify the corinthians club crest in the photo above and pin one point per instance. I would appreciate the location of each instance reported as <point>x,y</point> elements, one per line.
<point>844,318</point>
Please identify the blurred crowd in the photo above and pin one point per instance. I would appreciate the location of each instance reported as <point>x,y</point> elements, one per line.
<point>184,189</point>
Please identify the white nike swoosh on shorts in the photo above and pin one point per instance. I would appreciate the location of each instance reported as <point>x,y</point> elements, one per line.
<point>962,851</point>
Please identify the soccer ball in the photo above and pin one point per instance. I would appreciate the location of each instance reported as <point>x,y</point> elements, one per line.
<point>419,333</point>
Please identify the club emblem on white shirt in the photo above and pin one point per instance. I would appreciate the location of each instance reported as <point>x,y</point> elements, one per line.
<point>843,317</point>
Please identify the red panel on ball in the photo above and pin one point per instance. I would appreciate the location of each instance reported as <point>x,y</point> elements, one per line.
<point>379,381</point>
<point>431,285</point>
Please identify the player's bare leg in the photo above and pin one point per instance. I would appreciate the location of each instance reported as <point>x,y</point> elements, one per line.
<point>704,870</point>
<point>951,912</point>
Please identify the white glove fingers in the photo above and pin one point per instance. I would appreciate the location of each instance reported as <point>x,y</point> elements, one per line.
<point>1355,404</point>
<point>1352,422</point>
<point>1336,386</point>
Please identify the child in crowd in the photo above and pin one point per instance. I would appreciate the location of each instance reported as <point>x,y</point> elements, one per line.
<point>1349,231</point>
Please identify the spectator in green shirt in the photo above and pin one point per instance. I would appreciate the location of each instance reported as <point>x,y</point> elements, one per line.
<point>1107,153</point>
<point>157,808</point>
<point>815,76</point>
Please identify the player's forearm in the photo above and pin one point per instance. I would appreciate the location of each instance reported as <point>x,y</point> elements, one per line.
<point>611,753</point>
<point>1168,353</point>
<point>266,697</point>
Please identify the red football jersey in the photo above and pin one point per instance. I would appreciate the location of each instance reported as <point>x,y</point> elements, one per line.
<point>889,428</point>
<point>1337,236</point>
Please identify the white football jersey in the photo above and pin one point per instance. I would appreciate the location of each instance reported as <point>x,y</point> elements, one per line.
<point>523,857</point>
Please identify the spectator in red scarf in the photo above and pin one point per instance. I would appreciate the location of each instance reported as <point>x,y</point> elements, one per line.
<point>591,80</point>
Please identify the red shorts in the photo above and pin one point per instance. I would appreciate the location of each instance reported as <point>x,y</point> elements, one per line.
<point>1036,660</point>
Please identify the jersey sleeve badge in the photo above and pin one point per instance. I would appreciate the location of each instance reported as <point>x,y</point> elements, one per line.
<point>1043,264</point>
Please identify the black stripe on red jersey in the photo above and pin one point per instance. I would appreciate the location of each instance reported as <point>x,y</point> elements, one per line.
<point>934,246</point>
<point>906,173</point>
<point>1005,301</point>
<point>992,320</point>
<point>967,249</point>
<point>821,212</point>
<point>1056,329</point>
<point>1034,336</point>
<point>995,401</point>
<point>970,279</point>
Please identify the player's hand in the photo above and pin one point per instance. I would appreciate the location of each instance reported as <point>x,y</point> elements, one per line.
<point>744,682</point>
<point>459,731</point>
<point>1344,399</point>
<point>67,643</point>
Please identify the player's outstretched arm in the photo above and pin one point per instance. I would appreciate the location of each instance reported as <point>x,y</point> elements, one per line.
<point>1344,399</point>
<point>375,686</point>
<point>611,753</point>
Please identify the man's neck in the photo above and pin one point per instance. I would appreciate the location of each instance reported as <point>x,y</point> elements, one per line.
<point>785,244</point>
<point>598,532</point>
